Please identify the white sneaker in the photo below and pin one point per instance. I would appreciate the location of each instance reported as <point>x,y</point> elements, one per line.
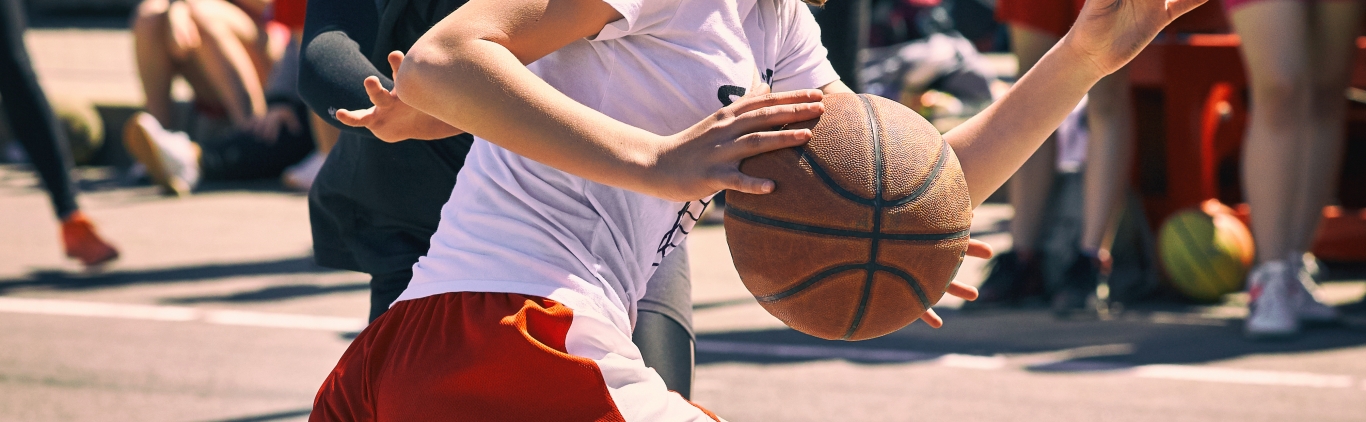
<point>171,159</point>
<point>300,176</point>
<point>1309,308</point>
<point>1274,303</point>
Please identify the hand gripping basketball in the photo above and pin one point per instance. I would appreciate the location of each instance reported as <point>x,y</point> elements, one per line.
<point>705,158</point>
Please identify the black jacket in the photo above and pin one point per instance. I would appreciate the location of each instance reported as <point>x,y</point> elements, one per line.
<point>374,206</point>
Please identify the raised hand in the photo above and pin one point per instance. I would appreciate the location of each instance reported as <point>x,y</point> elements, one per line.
<point>1110,33</point>
<point>392,120</point>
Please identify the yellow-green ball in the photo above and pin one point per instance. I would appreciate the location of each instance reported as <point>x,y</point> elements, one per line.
<point>1206,254</point>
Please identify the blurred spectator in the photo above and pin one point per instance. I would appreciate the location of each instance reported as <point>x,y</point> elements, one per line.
<point>1299,58</point>
<point>35,126</point>
<point>221,48</point>
<point>915,48</point>
<point>300,176</point>
<point>257,147</point>
<point>1035,26</point>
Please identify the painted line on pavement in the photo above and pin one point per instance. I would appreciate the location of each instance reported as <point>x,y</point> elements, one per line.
<point>789,351</point>
<point>1166,372</point>
<point>178,314</point>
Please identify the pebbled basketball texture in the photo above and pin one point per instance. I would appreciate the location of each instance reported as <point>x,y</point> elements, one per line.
<point>865,228</point>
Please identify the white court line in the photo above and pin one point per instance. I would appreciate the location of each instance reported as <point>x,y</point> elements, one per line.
<point>1167,372</point>
<point>341,324</point>
<point>1242,376</point>
<point>179,314</point>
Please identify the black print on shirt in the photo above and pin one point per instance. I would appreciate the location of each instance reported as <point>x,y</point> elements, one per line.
<point>676,235</point>
<point>726,92</point>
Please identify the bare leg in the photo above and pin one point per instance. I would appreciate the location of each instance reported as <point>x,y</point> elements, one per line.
<point>1333,43</point>
<point>1030,185</point>
<point>232,58</point>
<point>324,135</point>
<point>1274,35</point>
<point>1109,153</point>
<point>152,45</point>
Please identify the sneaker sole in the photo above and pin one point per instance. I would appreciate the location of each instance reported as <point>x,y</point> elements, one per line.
<point>139,144</point>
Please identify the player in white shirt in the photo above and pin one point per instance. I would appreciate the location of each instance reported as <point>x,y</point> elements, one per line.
<point>604,128</point>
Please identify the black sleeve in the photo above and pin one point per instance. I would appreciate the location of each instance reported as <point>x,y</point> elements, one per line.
<point>338,34</point>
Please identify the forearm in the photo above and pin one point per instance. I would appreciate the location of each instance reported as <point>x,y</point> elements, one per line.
<point>445,73</point>
<point>992,145</point>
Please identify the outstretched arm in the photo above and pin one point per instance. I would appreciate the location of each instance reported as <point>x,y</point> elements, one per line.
<point>1107,35</point>
<point>476,55</point>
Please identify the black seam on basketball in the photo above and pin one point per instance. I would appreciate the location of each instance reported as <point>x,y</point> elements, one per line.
<point>876,138</point>
<point>810,281</point>
<point>909,279</point>
<point>806,228</point>
<point>830,182</point>
<point>862,301</point>
<point>929,180</point>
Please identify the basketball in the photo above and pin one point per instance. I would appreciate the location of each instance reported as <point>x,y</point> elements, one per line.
<point>865,228</point>
<point>1206,252</point>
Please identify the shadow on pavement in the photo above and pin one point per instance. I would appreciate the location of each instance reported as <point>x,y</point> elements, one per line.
<point>59,280</point>
<point>1133,338</point>
<point>271,416</point>
<point>273,293</point>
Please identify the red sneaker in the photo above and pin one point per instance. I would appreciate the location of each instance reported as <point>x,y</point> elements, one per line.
<point>81,242</point>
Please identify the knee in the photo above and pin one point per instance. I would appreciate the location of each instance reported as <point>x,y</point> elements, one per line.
<point>1283,98</point>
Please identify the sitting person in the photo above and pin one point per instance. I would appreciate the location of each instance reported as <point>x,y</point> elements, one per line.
<point>261,146</point>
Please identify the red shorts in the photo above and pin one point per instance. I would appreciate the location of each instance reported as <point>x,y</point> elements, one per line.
<point>290,13</point>
<point>1051,16</point>
<point>494,357</point>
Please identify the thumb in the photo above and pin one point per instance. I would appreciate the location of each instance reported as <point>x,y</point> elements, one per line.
<point>359,118</point>
<point>1176,8</point>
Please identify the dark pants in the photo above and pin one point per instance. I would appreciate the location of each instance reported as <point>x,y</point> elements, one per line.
<point>29,114</point>
<point>241,155</point>
<point>384,290</point>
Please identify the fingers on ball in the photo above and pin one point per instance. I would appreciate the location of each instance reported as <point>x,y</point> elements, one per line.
<point>932,319</point>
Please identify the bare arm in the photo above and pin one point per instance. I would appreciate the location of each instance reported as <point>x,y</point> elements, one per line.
<point>992,145</point>
<point>476,55</point>
<point>997,141</point>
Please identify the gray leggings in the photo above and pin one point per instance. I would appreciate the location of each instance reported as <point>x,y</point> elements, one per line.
<point>664,323</point>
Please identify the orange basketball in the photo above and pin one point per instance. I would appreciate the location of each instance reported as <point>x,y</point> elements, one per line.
<point>866,226</point>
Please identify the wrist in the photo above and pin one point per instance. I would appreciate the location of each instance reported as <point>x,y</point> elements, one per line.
<point>1081,61</point>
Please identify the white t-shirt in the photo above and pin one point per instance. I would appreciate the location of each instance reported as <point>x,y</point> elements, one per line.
<point>515,225</point>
